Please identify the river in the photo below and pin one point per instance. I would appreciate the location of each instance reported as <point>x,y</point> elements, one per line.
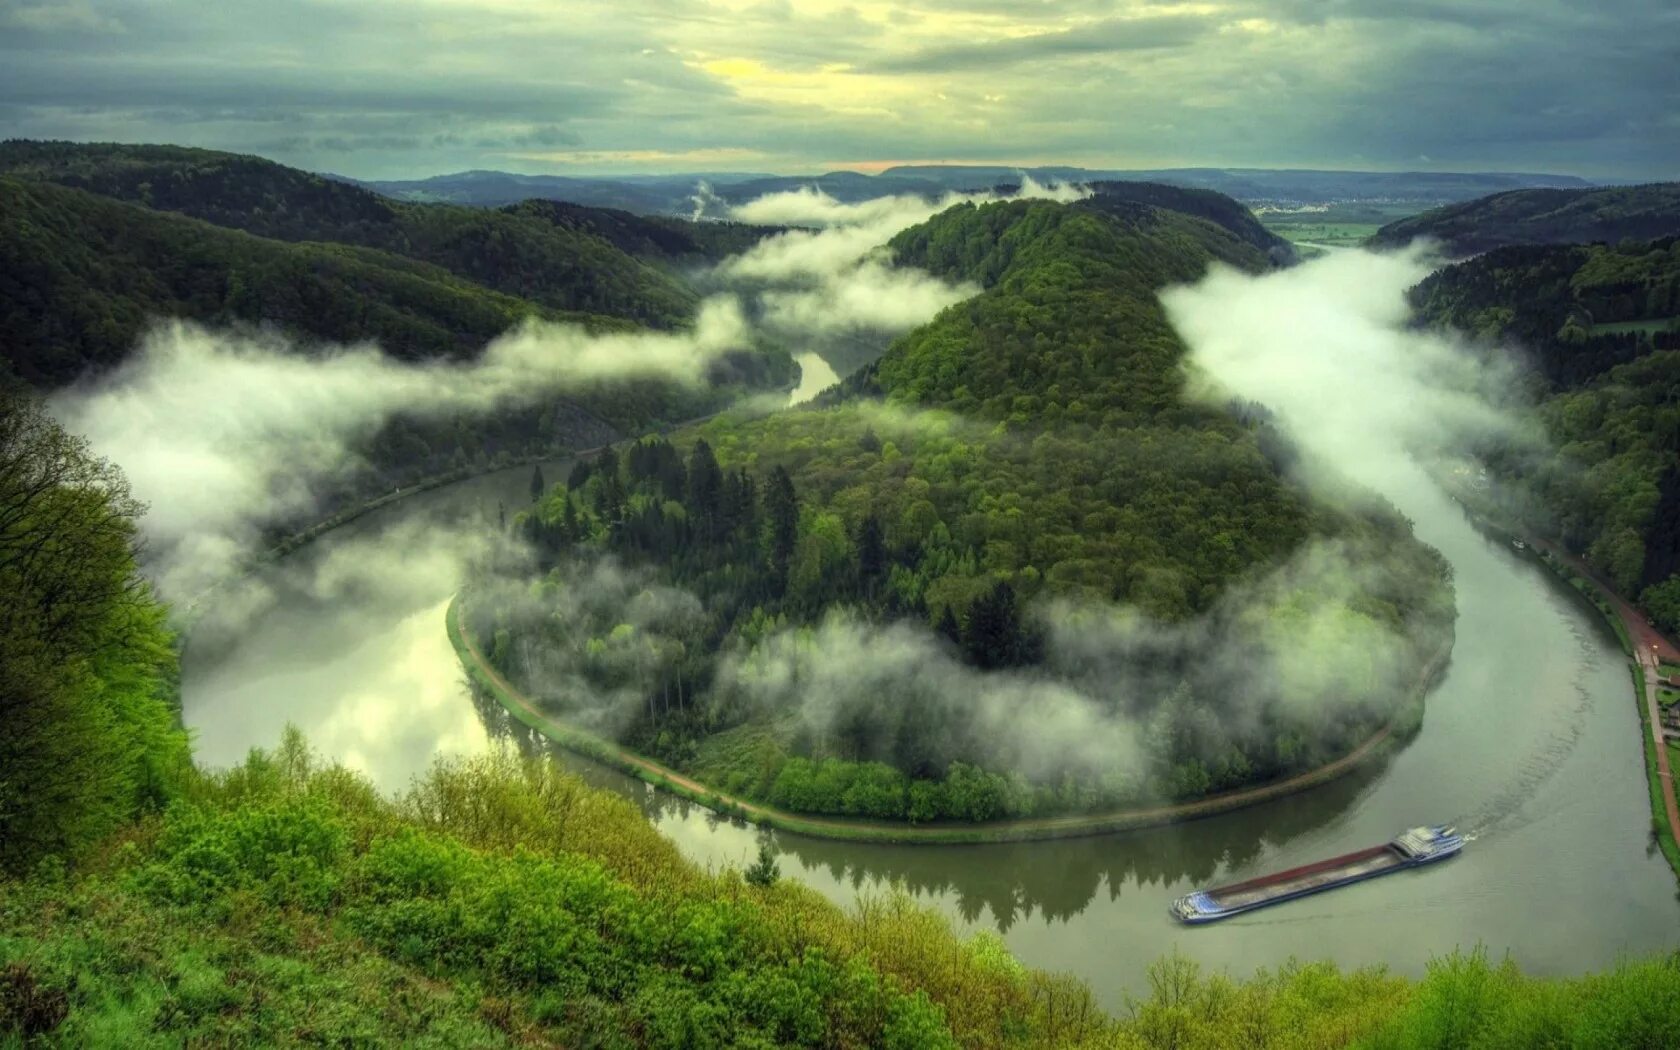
<point>1530,743</point>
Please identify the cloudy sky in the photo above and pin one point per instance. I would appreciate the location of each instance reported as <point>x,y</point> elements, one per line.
<point>393,88</point>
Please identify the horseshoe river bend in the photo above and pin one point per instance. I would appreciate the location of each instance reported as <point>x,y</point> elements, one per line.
<point>1530,744</point>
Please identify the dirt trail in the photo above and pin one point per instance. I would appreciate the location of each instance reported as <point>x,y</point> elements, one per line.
<point>1005,830</point>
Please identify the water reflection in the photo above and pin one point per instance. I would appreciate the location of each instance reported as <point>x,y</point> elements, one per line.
<point>999,884</point>
<point>815,376</point>
<point>1531,741</point>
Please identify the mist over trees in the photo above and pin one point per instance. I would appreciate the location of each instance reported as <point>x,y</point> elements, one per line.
<point>1595,332</point>
<point>1013,569</point>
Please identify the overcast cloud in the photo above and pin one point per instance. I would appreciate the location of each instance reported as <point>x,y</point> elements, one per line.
<point>391,88</point>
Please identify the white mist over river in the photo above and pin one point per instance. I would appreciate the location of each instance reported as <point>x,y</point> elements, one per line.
<point>1530,743</point>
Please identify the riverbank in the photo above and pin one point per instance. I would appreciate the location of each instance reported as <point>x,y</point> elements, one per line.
<point>597,749</point>
<point>1642,643</point>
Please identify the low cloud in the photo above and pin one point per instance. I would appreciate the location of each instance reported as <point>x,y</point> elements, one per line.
<point>1119,700</point>
<point>832,275</point>
<point>1328,347</point>
<point>222,432</point>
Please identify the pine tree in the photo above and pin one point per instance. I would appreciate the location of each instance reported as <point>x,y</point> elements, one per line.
<point>781,521</point>
<point>992,637</point>
<point>872,552</point>
<point>705,492</point>
<point>949,627</point>
<point>765,871</point>
<point>538,486</point>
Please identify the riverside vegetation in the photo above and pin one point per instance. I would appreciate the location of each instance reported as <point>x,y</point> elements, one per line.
<point>145,902</point>
<point>1600,330</point>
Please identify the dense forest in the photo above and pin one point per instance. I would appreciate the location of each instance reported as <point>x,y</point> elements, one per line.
<point>962,518</point>
<point>563,259</point>
<point>84,276</point>
<point>1543,216</point>
<point>145,902</point>
<point>1595,331</point>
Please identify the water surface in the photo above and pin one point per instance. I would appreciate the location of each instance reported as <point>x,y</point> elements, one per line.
<point>1530,744</point>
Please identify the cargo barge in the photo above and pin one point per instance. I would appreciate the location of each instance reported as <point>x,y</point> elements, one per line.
<point>1415,847</point>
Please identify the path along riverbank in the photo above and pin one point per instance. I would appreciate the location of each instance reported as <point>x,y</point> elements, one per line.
<point>608,753</point>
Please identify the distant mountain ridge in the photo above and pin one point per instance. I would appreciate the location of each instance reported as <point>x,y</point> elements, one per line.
<point>1544,216</point>
<point>676,194</point>
<point>523,254</point>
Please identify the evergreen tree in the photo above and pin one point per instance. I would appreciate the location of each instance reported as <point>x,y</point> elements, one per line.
<point>569,529</point>
<point>764,871</point>
<point>705,492</point>
<point>610,493</point>
<point>949,627</point>
<point>538,486</point>
<point>781,520</point>
<point>992,637</point>
<point>872,551</point>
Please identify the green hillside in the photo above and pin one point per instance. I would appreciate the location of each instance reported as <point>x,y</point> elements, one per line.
<point>1543,216</point>
<point>147,903</point>
<point>1032,444</point>
<point>81,276</point>
<point>1211,205</point>
<point>1597,331</point>
<point>511,251</point>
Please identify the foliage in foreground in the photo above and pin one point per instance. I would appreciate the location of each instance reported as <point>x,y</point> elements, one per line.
<point>505,902</point>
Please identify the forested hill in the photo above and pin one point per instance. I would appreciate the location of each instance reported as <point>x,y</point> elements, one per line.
<point>81,276</point>
<point>1544,216</point>
<point>1070,330</point>
<point>563,265</point>
<point>1598,331</point>
<point>1036,446</point>
<point>654,237</point>
<point>1211,205</point>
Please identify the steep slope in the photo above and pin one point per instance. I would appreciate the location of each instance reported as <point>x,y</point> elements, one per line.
<point>1002,475</point>
<point>1211,205</point>
<point>1597,333</point>
<point>553,264</point>
<point>82,275</point>
<point>1543,216</point>
<point>656,238</point>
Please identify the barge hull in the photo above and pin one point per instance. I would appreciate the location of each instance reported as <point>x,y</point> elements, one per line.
<point>1413,848</point>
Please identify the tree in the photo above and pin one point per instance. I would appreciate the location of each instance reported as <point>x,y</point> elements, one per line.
<point>872,551</point>
<point>948,626</point>
<point>993,636</point>
<point>764,871</point>
<point>781,520</point>
<point>88,730</point>
<point>705,491</point>
<point>538,486</point>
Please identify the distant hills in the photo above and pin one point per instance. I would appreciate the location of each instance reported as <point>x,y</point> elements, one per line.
<point>1544,216</point>
<point>97,242</point>
<point>553,257</point>
<point>81,277</point>
<point>676,194</point>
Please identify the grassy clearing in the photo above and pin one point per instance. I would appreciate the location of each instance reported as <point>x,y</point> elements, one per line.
<point>743,760</point>
<point>1317,231</point>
